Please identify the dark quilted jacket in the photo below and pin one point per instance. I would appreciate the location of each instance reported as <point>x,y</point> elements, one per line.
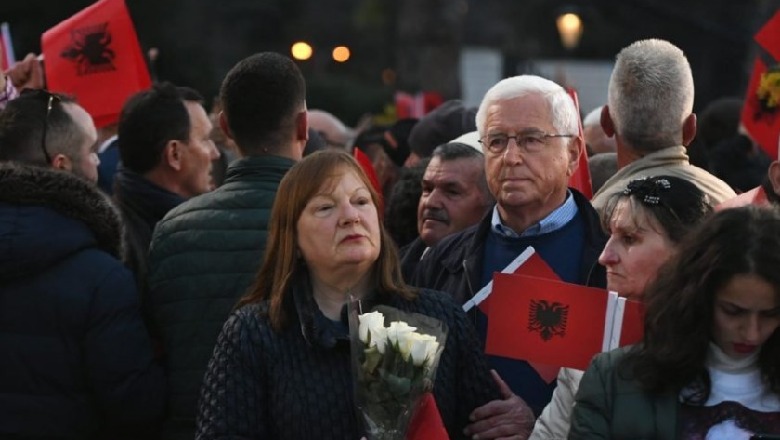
<point>297,384</point>
<point>203,256</point>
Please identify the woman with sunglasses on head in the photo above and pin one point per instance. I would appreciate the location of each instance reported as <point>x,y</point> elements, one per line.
<point>646,223</point>
<point>709,364</point>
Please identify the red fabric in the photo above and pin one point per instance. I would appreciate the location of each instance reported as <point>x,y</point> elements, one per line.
<point>95,56</point>
<point>633,328</point>
<point>426,424</point>
<point>581,180</point>
<point>768,37</point>
<point>514,330</point>
<point>535,266</point>
<point>763,127</point>
<point>755,196</point>
<point>368,168</point>
<point>416,106</point>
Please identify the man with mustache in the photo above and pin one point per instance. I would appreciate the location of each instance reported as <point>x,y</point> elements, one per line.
<point>454,196</point>
<point>528,128</point>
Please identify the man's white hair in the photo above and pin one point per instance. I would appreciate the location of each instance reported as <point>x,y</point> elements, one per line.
<point>650,94</point>
<point>564,114</point>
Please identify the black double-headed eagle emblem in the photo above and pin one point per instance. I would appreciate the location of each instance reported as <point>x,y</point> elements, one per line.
<point>549,319</point>
<point>90,49</point>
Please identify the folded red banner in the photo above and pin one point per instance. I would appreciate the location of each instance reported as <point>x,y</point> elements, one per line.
<point>95,57</point>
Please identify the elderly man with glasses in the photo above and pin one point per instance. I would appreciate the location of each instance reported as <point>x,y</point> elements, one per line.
<point>528,127</point>
<point>49,130</point>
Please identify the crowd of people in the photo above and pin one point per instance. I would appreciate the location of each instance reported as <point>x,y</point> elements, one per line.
<point>185,273</point>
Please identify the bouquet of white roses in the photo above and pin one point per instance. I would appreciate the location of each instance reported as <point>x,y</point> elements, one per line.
<point>395,355</point>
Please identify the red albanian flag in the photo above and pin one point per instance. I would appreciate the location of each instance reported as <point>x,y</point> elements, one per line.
<point>768,37</point>
<point>761,111</point>
<point>545,321</point>
<point>95,57</point>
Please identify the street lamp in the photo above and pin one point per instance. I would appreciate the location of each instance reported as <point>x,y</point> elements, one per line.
<point>570,29</point>
<point>340,54</point>
<point>301,51</point>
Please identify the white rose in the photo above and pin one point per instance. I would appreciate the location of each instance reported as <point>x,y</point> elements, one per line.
<point>422,349</point>
<point>378,338</point>
<point>398,331</point>
<point>368,322</point>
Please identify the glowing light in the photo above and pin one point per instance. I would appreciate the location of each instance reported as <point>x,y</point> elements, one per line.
<point>570,28</point>
<point>301,51</point>
<point>341,54</point>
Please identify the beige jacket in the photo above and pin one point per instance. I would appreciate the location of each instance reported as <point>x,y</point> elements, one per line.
<point>555,420</point>
<point>672,161</point>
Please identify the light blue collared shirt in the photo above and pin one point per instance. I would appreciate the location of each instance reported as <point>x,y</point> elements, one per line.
<point>556,220</point>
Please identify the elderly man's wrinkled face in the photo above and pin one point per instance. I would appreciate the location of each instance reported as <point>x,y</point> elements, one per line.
<point>452,198</point>
<point>518,179</point>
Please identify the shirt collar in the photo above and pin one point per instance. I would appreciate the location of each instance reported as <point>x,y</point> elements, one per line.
<point>554,221</point>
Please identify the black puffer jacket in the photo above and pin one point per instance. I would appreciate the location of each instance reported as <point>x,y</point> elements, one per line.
<point>297,384</point>
<point>76,358</point>
<point>204,255</point>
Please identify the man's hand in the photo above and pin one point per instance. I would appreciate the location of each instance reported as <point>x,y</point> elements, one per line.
<point>508,418</point>
<point>27,74</point>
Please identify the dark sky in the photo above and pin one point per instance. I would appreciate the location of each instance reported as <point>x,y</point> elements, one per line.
<point>199,40</point>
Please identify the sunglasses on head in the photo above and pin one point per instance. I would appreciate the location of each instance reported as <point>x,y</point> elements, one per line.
<point>51,99</point>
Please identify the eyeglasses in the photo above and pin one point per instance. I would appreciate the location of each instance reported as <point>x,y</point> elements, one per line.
<point>532,142</point>
<point>49,105</point>
<point>51,99</point>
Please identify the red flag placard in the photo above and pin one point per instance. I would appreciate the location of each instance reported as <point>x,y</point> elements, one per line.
<point>761,121</point>
<point>545,321</point>
<point>95,56</point>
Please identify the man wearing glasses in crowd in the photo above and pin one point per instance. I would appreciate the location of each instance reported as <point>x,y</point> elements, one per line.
<point>50,130</point>
<point>528,127</point>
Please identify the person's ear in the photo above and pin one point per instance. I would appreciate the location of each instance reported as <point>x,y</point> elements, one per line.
<point>172,154</point>
<point>223,124</point>
<point>689,129</point>
<point>606,122</point>
<point>575,147</point>
<point>61,162</point>
<point>301,126</point>
<point>774,176</point>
